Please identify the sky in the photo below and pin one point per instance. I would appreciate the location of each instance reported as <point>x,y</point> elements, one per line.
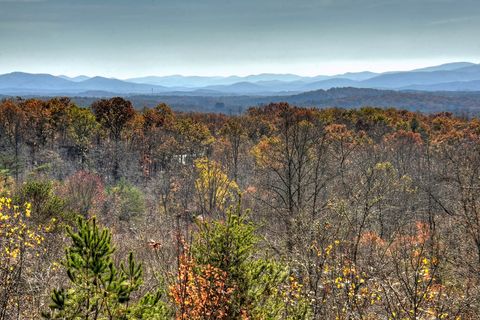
<point>130,38</point>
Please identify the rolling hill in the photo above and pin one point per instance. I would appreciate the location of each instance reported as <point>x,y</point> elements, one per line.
<point>458,76</point>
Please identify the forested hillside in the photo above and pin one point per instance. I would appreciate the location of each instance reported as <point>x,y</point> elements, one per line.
<point>428,102</point>
<point>282,212</point>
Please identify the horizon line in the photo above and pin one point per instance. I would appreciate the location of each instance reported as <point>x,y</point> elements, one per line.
<point>328,74</point>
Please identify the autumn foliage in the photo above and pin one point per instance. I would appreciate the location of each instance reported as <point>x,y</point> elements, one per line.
<point>201,292</point>
<point>280,212</point>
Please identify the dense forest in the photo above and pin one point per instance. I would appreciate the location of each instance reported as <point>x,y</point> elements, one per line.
<point>281,212</point>
<point>459,103</point>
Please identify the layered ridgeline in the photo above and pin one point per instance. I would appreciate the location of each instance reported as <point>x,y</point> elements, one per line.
<point>460,76</point>
<point>464,103</point>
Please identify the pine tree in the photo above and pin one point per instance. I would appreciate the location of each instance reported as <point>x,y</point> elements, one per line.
<point>98,289</point>
<point>263,288</point>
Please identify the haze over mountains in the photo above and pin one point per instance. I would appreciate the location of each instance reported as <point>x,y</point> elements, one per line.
<point>458,76</point>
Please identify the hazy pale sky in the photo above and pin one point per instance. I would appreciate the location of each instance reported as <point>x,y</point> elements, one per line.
<point>125,38</point>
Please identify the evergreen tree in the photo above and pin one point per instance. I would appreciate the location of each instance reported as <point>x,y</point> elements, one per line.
<point>98,289</point>
<point>263,287</point>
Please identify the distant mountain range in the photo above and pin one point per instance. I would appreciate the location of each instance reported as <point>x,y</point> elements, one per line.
<point>458,76</point>
<point>20,83</point>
